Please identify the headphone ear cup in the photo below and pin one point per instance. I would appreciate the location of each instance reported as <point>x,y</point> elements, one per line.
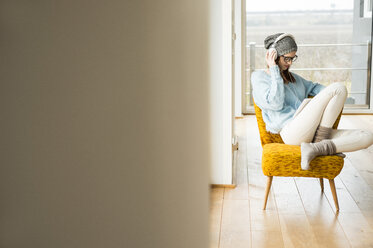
<point>273,49</point>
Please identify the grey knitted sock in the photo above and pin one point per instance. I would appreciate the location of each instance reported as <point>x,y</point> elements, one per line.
<point>322,133</point>
<point>311,150</point>
<point>340,154</point>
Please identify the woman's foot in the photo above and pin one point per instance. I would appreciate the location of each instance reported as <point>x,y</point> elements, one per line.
<point>311,150</point>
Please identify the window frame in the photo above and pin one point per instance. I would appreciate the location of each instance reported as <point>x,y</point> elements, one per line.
<point>245,80</point>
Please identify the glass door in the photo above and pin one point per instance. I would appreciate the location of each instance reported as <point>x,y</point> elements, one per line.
<point>334,43</point>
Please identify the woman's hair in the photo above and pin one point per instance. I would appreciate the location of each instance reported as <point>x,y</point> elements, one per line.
<point>286,75</point>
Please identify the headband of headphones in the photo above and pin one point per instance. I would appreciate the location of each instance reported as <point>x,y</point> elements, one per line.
<point>280,38</point>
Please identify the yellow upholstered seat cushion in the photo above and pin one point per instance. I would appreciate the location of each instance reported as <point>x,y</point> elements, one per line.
<point>284,160</point>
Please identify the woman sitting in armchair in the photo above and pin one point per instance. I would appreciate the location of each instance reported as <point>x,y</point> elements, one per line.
<point>287,110</point>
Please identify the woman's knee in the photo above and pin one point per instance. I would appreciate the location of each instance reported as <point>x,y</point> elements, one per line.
<point>338,88</point>
<point>366,138</point>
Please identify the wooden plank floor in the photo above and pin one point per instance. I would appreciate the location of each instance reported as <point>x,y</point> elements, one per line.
<point>298,214</point>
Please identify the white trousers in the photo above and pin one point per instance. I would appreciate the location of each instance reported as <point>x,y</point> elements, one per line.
<point>323,110</point>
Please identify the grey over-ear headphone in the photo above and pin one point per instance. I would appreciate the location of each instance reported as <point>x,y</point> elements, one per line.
<point>272,47</point>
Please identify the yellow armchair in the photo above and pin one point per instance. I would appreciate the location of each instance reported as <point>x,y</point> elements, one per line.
<point>283,160</point>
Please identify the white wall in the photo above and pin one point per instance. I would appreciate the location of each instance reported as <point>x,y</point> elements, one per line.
<point>238,58</point>
<point>221,92</point>
<point>104,123</point>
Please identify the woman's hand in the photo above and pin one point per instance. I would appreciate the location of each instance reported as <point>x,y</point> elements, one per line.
<point>270,57</point>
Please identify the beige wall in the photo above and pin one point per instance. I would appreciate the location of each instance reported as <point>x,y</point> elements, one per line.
<point>104,123</point>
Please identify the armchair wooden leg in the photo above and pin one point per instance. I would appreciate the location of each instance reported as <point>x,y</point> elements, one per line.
<point>269,183</point>
<point>334,193</point>
<point>322,184</point>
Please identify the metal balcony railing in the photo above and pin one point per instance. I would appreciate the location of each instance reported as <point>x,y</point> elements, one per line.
<point>252,48</point>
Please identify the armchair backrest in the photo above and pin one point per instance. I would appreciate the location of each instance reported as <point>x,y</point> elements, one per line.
<point>265,136</point>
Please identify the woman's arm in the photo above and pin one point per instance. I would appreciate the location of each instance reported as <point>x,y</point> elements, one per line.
<point>269,94</point>
<point>312,89</point>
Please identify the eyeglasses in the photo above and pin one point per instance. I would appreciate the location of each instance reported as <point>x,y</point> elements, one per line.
<point>288,59</point>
